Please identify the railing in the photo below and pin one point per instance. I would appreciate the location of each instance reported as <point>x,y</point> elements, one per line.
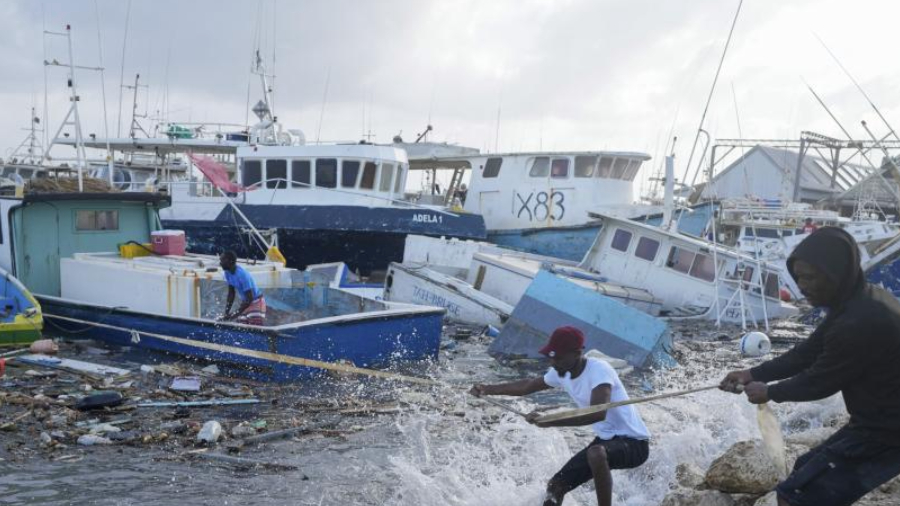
<point>210,190</point>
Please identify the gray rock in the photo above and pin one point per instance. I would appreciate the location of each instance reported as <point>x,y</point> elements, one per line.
<point>745,468</point>
<point>687,497</point>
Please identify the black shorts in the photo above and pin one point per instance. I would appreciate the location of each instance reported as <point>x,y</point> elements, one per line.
<point>621,453</point>
<point>847,466</point>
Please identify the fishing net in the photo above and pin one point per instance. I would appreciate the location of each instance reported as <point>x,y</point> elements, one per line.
<point>67,185</point>
<point>773,441</point>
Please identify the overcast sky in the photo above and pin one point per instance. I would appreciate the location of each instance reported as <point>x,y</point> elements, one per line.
<point>563,74</point>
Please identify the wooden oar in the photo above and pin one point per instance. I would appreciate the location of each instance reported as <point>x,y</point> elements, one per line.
<point>503,406</point>
<point>590,410</point>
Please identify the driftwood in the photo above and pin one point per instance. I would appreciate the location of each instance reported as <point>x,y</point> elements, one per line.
<point>245,463</point>
<point>282,434</point>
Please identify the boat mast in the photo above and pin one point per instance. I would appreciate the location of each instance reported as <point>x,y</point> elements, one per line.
<point>32,142</point>
<point>72,118</point>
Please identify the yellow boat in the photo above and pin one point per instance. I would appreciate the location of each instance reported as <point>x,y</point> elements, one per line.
<point>21,320</point>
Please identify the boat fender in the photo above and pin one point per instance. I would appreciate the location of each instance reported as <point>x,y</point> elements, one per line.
<point>755,344</point>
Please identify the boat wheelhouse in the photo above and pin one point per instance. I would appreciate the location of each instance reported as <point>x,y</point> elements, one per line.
<point>320,203</point>
<point>539,202</point>
<point>691,277</point>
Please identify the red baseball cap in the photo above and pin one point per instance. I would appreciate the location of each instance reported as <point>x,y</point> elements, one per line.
<point>563,339</point>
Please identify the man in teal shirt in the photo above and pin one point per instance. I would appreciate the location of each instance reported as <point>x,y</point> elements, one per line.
<point>252,310</point>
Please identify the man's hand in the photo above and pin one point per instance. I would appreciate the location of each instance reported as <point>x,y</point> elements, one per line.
<point>477,390</point>
<point>735,381</point>
<point>757,392</point>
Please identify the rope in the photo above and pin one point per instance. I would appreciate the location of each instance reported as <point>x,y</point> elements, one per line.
<point>590,410</point>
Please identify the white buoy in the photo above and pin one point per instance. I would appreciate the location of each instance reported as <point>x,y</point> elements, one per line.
<point>755,344</point>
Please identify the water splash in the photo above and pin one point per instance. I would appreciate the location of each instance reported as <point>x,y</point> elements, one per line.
<point>490,457</point>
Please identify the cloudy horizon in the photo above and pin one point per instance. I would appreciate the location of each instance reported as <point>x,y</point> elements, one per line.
<point>500,75</point>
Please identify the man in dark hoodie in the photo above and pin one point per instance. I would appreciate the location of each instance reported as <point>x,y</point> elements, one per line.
<point>855,351</point>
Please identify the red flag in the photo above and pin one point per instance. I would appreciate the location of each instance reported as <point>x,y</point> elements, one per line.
<point>216,173</point>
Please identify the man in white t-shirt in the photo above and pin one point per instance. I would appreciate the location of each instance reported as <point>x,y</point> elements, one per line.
<point>622,440</point>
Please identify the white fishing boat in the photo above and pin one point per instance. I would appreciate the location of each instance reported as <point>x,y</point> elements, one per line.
<point>691,277</point>
<point>480,283</point>
<point>772,229</point>
<point>538,202</point>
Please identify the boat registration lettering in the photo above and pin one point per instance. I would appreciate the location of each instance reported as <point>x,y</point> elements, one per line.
<point>540,205</point>
<point>434,299</point>
<point>427,218</point>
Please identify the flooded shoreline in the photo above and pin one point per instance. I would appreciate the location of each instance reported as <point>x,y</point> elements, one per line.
<point>427,445</point>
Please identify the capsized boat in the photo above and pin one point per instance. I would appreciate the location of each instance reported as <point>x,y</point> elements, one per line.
<point>21,319</point>
<point>480,283</point>
<point>63,246</point>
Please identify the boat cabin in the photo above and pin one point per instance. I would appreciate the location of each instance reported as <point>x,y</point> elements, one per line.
<point>338,174</point>
<point>691,277</point>
<point>517,191</point>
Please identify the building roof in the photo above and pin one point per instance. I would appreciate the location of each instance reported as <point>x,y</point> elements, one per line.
<point>880,186</point>
<point>816,174</point>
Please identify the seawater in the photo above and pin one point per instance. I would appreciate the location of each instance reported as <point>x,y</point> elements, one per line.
<point>445,448</point>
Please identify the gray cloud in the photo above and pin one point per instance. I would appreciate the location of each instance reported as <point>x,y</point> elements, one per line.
<point>564,74</point>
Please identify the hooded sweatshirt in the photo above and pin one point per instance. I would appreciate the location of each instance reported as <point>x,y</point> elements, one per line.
<point>855,350</point>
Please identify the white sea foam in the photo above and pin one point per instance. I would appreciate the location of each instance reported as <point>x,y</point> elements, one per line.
<point>457,461</point>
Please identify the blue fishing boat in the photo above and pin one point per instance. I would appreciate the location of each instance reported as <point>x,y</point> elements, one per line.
<point>65,247</point>
<point>319,204</point>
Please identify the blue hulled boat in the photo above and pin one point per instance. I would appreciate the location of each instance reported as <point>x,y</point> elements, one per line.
<point>64,247</point>
<point>320,204</point>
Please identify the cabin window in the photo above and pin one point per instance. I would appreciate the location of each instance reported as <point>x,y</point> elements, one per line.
<point>368,176</point>
<point>680,260</point>
<point>747,278</point>
<point>646,249</point>
<point>618,171</point>
<point>492,167</point>
<point>300,174</point>
<point>96,220</point>
<point>704,267</point>
<point>398,181</point>
<point>621,240</point>
<point>26,173</point>
<point>767,233</point>
<point>584,166</point>
<point>787,233</point>
<point>632,170</point>
<point>560,168</point>
<point>326,172</point>
<point>251,172</point>
<point>349,173</point>
<point>540,167</point>
<point>605,167</point>
<point>387,172</point>
<point>276,173</point>
<point>771,285</point>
